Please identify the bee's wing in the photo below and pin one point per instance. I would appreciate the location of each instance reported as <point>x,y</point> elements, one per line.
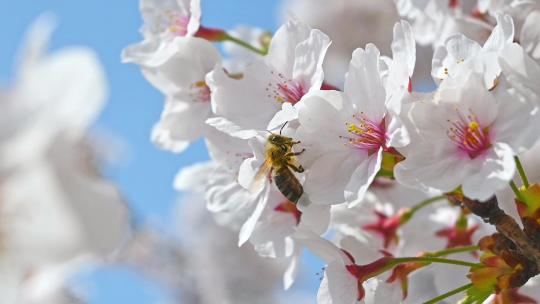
<point>260,178</point>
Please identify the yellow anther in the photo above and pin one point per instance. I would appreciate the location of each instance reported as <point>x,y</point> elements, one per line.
<point>200,84</point>
<point>354,129</point>
<point>473,126</point>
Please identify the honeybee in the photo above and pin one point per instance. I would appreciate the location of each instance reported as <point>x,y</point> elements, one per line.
<point>280,161</point>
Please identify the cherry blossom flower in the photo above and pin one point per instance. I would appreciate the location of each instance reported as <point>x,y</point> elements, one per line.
<point>267,219</point>
<point>469,138</point>
<point>350,23</point>
<point>345,281</point>
<point>433,21</point>
<point>164,21</point>
<point>459,54</point>
<point>292,69</point>
<point>199,262</point>
<point>521,71</point>
<point>169,46</point>
<point>348,133</point>
<point>57,212</point>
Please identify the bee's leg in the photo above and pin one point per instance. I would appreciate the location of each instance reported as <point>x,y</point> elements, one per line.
<point>295,143</point>
<point>295,153</point>
<point>270,173</point>
<point>298,169</point>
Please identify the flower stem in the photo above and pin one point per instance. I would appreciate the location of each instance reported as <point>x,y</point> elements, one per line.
<point>455,250</point>
<point>409,212</point>
<point>245,45</point>
<point>521,172</point>
<point>516,191</point>
<point>427,202</point>
<point>429,259</point>
<point>449,294</point>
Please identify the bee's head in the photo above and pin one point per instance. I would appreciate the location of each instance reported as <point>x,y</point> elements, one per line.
<point>279,139</point>
<point>274,138</point>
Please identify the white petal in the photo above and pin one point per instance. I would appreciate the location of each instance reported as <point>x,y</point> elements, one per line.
<point>250,166</point>
<point>502,34</point>
<point>404,47</point>
<point>521,71</point>
<point>249,225</point>
<point>363,84</point>
<point>282,49</point>
<point>494,173</point>
<point>436,164</point>
<point>362,178</point>
<point>397,133</point>
<point>516,123</point>
<point>246,101</point>
<point>319,246</point>
<point>194,177</point>
<point>195,17</point>
<point>180,124</point>
<point>224,193</point>
<point>226,126</point>
<point>450,59</point>
<point>292,270</point>
<point>329,175</point>
<point>378,291</point>
<point>179,63</point>
<point>324,113</point>
<point>530,35</point>
<point>316,218</point>
<point>288,113</point>
<point>338,286</point>
<point>309,56</point>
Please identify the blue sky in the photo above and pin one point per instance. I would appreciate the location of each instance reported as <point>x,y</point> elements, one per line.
<point>146,174</point>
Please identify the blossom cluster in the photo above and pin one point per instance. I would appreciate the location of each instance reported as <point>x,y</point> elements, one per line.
<point>58,214</point>
<point>362,168</point>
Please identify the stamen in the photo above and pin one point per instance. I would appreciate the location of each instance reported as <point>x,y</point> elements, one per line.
<point>177,22</point>
<point>366,134</point>
<point>200,92</point>
<point>285,90</point>
<point>468,135</point>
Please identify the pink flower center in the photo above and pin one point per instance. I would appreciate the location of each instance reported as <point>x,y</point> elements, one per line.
<point>200,92</point>
<point>386,227</point>
<point>453,3</point>
<point>469,135</point>
<point>366,134</point>
<point>364,272</point>
<point>457,236</point>
<point>286,90</point>
<point>178,22</point>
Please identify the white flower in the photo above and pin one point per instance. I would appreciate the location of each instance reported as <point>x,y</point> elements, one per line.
<point>56,211</point>
<point>176,63</point>
<point>468,138</point>
<point>164,21</point>
<point>350,23</point>
<point>521,71</point>
<point>347,133</point>
<point>179,69</point>
<point>434,21</point>
<point>292,69</point>
<point>460,55</point>
<point>200,261</point>
<point>58,93</point>
<point>343,278</point>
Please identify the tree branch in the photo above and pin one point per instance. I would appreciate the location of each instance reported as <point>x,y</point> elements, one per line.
<point>490,212</point>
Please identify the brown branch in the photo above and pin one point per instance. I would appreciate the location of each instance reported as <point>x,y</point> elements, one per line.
<point>490,212</point>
